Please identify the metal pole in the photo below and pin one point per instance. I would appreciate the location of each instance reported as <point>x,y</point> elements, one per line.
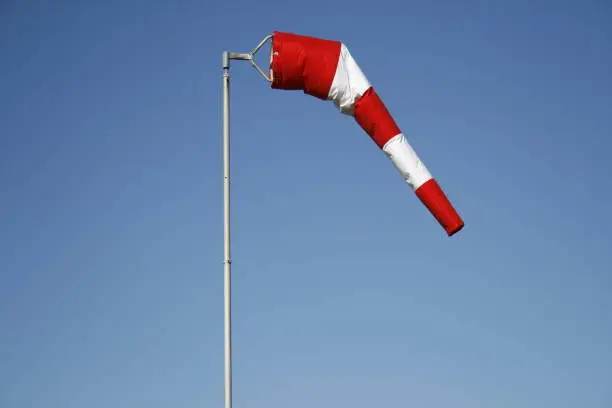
<point>227,270</point>
<point>226,228</point>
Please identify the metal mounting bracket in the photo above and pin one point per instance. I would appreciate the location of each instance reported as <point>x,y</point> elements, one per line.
<point>250,57</point>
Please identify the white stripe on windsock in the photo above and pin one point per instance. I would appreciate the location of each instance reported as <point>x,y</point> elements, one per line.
<point>349,83</point>
<point>406,161</point>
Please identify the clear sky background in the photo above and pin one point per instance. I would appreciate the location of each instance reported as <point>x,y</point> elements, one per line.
<point>347,292</point>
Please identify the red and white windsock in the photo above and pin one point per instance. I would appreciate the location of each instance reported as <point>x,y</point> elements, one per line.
<point>326,70</point>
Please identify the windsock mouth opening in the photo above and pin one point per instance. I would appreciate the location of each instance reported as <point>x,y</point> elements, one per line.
<point>285,66</point>
<point>270,70</point>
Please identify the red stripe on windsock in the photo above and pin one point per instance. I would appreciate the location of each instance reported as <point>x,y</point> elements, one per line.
<point>432,196</point>
<point>374,117</point>
<point>304,63</point>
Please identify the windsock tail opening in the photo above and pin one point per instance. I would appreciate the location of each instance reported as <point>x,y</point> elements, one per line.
<point>433,197</point>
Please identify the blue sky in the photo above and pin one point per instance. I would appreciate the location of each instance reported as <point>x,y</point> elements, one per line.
<point>346,291</point>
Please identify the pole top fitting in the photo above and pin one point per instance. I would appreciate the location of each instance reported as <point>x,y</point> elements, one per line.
<point>225,60</point>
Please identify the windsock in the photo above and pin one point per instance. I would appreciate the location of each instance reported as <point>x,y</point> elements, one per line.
<point>326,70</point>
